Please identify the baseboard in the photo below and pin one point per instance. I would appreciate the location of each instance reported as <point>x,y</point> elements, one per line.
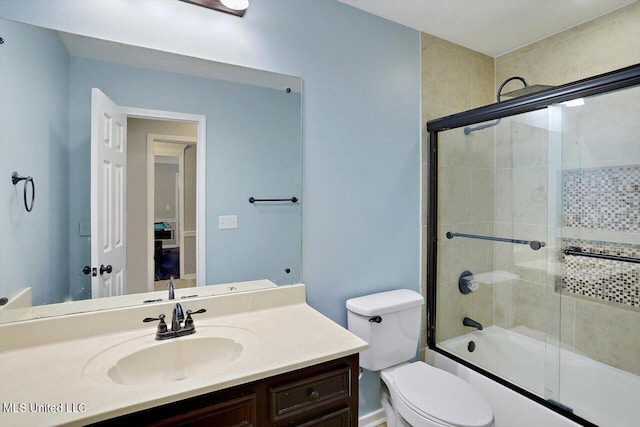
<point>372,419</point>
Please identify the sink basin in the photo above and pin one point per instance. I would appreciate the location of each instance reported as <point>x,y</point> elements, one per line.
<point>175,360</point>
<point>144,361</point>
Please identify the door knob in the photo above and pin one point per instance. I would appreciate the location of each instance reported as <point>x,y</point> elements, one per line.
<point>104,269</point>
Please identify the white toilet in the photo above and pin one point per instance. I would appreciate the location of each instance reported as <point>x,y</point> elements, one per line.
<point>420,395</point>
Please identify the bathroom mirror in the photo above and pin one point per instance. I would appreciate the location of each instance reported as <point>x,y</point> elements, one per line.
<point>200,139</point>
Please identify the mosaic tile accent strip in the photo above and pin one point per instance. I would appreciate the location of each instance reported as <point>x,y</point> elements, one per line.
<point>602,198</point>
<point>612,281</point>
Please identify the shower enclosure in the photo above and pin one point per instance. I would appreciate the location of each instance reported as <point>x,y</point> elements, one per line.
<point>533,265</point>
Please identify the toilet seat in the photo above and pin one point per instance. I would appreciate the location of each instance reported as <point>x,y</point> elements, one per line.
<point>441,397</point>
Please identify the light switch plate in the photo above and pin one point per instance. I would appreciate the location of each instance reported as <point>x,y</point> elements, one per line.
<point>227,222</point>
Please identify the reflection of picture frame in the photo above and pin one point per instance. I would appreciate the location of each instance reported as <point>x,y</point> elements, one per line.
<point>216,5</point>
<point>171,239</point>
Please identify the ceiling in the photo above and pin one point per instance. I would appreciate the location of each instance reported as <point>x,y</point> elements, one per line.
<point>492,27</point>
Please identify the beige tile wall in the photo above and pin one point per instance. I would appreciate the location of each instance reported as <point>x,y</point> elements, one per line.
<point>456,79</point>
<point>603,44</point>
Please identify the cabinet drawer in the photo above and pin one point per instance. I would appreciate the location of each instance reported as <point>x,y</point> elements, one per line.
<point>310,393</point>
<point>339,418</point>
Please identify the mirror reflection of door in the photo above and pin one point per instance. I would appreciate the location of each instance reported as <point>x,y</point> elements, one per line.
<point>108,192</point>
<point>156,238</point>
<point>146,168</point>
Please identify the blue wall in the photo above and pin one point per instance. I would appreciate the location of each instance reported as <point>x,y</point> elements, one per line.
<point>361,122</point>
<point>257,152</point>
<point>34,74</point>
<point>253,149</point>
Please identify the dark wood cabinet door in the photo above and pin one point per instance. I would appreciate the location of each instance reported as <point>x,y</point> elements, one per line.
<point>238,412</point>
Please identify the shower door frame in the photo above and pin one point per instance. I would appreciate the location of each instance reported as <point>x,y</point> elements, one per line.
<point>603,83</point>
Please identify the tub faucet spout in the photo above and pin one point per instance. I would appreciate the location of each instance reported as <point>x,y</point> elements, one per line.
<point>467,321</point>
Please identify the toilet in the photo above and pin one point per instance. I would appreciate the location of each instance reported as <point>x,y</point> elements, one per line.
<point>413,394</point>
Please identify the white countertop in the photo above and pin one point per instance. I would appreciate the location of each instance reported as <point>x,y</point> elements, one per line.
<point>288,335</point>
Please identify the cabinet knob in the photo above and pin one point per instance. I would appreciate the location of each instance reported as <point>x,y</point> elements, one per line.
<point>315,395</point>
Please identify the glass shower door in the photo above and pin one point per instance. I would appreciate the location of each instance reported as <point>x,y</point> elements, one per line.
<point>558,322</point>
<point>600,258</point>
<point>497,222</point>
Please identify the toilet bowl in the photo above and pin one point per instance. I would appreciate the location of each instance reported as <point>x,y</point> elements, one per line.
<point>425,396</point>
<point>416,394</point>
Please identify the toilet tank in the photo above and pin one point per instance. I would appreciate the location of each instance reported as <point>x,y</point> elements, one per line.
<point>390,323</point>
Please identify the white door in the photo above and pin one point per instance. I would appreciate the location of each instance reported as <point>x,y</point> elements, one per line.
<point>108,196</point>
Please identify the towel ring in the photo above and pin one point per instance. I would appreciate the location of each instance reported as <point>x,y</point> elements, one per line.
<point>15,178</point>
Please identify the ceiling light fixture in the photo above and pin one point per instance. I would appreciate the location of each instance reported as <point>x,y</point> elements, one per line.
<point>233,7</point>
<point>236,4</point>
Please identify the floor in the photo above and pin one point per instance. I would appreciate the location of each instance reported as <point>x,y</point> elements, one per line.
<point>161,285</point>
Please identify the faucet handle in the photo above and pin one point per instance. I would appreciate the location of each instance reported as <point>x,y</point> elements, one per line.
<point>162,326</point>
<point>188,323</point>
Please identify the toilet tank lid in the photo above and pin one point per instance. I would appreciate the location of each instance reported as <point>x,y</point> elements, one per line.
<point>385,302</point>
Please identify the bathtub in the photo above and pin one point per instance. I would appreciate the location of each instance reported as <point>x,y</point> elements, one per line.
<point>596,392</point>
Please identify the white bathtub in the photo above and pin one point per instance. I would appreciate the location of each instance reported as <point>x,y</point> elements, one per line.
<point>599,393</point>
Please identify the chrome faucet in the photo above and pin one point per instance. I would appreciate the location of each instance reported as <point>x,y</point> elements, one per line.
<point>467,321</point>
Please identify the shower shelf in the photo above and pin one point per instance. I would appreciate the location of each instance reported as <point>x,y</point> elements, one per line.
<point>494,277</point>
<point>577,251</point>
<point>534,244</point>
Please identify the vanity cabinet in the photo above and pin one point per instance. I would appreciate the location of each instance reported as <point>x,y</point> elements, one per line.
<point>323,395</point>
